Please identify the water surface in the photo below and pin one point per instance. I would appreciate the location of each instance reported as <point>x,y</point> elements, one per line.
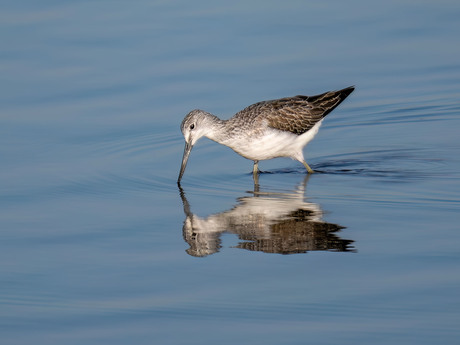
<point>99,245</point>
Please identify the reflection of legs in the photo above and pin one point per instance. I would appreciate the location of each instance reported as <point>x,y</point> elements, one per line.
<point>310,170</point>
<point>255,172</point>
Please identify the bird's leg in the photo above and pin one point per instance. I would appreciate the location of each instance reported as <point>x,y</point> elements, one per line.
<point>255,172</point>
<point>310,170</point>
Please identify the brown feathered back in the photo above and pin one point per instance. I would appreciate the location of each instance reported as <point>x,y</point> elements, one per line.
<point>295,114</point>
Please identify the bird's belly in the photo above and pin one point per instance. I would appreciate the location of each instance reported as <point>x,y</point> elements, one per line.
<point>273,143</point>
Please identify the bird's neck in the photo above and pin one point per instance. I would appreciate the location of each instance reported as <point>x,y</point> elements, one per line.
<point>217,130</point>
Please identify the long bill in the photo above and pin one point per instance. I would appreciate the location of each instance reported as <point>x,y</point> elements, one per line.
<point>187,150</point>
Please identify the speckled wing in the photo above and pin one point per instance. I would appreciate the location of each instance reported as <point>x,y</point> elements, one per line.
<point>297,114</point>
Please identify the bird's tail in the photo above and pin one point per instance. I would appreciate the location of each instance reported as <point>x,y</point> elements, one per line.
<point>328,101</point>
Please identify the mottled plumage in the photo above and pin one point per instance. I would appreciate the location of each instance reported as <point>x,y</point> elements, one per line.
<point>264,130</point>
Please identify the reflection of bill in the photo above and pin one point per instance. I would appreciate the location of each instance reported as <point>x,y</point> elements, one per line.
<point>268,222</point>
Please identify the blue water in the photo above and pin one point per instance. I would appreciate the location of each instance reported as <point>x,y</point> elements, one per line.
<point>98,245</point>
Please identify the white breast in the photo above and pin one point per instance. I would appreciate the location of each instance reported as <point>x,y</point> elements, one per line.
<point>272,144</point>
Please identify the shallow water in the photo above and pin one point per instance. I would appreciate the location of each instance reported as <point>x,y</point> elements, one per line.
<point>99,245</point>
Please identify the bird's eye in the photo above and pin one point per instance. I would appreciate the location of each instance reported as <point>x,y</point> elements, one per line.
<point>192,126</point>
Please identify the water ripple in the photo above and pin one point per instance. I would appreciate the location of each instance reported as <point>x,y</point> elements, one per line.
<point>133,145</point>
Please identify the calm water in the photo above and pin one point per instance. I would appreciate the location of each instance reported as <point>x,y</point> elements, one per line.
<point>98,245</point>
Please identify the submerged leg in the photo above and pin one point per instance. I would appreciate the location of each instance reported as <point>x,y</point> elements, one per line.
<point>310,170</point>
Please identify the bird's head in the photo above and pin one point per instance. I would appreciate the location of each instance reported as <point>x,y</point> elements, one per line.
<point>193,127</point>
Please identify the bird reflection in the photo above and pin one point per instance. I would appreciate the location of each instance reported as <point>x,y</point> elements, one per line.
<point>282,223</point>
